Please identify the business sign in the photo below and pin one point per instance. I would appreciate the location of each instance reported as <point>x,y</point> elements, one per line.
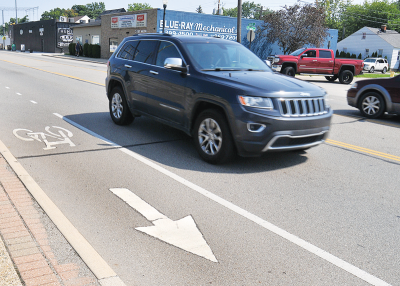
<point>129,21</point>
<point>199,29</point>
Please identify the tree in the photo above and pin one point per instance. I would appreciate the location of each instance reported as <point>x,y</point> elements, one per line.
<point>295,26</point>
<point>199,10</point>
<point>139,6</point>
<point>349,18</point>
<point>94,9</point>
<point>57,12</point>
<point>250,10</point>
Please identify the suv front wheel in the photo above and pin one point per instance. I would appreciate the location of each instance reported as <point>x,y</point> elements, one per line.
<point>119,109</point>
<point>212,137</point>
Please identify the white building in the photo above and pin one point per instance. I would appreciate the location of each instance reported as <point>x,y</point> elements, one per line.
<point>370,40</point>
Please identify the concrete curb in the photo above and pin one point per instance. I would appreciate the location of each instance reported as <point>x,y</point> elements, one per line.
<point>89,255</point>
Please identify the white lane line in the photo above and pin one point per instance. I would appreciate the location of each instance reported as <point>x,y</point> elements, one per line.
<point>18,93</point>
<point>265,224</point>
<point>7,87</point>
<point>34,102</point>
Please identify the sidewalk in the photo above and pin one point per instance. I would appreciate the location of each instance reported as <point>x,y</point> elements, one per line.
<point>83,59</point>
<point>32,250</point>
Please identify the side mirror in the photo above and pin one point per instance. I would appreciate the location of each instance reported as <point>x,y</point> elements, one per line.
<point>303,55</point>
<point>175,64</point>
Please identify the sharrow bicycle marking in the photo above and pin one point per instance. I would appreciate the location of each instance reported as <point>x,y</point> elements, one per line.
<point>263,223</point>
<point>61,137</point>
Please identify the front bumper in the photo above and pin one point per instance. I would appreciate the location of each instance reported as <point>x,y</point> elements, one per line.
<point>276,68</point>
<point>281,133</point>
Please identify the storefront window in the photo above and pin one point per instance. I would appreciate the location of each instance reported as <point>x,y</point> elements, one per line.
<point>96,40</point>
<point>113,44</point>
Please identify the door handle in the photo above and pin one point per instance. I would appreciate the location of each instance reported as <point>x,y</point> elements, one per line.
<point>153,72</point>
<point>128,66</point>
<point>314,60</point>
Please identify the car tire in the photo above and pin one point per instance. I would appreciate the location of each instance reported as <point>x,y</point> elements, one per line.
<point>119,110</point>
<point>372,105</point>
<point>371,70</point>
<point>384,70</point>
<point>289,71</point>
<point>212,137</point>
<point>331,78</point>
<point>346,77</point>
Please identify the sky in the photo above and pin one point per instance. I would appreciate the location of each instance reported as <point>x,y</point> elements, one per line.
<point>177,5</point>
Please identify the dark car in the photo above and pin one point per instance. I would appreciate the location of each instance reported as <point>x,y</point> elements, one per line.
<point>217,91</point>
<point>374,97</point>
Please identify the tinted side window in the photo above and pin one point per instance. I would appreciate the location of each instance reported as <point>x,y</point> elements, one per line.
<point>128,50</point>
<point>145,51</point>
<point>166,50</point>
<point>325,54</point>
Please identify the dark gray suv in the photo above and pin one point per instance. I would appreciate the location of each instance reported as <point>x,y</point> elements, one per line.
<point>216,91</point>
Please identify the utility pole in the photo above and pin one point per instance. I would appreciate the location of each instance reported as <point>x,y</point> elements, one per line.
<point>16,13</point>
<point>239,22</point>
<point>261,10</point>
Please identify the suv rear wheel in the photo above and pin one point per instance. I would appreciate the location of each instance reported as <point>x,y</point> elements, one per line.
<point>119,109</point>
<point>372,105</point>
<point>212,137</point>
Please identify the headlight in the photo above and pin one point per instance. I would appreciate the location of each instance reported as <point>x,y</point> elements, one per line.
<point>354,85</point>
<point>276,60</point>
<point>258,102</point>
<point>326,99</point>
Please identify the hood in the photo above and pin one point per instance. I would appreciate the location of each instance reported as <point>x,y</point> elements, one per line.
<point>267,83</point>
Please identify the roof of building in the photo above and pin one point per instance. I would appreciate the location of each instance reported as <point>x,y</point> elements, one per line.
<point>90,24</point>
<point>390,36</point>
<point>120,10</point>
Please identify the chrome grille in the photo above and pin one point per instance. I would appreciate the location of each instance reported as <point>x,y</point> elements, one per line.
<point>302,106</point>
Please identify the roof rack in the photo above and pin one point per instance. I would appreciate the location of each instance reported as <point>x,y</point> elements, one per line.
<point>153,34</point>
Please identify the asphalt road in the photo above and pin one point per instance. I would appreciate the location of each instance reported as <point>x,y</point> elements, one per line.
<point>328,216</point>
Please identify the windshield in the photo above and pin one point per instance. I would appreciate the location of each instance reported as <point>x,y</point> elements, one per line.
<point>369,61</point>
<point>224,55</point>
<point>297,52</point>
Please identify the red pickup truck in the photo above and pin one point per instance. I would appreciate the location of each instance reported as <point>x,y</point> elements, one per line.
<point>317,61</point>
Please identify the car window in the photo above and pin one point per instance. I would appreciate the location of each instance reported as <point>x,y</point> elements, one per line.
<point>311,54</point>
<point>224,55</point>
<point>166,50</point>
<point>325,54</point>
<point>145,51</point>
<point>128,50</point>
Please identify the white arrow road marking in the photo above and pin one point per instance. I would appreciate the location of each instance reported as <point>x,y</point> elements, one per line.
<point>183,233</point>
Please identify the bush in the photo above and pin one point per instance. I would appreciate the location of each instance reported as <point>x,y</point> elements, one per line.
<point>71,49</point>
<point>96,51</point>
<point>90,54</point>
<point>342,54</point>
<point>86,49</point>
<point>337,54</point>
<point>360,56</point>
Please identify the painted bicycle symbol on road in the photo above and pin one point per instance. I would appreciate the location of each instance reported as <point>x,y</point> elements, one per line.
<point>57,135</point>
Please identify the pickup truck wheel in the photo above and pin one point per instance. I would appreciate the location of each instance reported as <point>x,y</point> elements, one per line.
<point>331,78</point>
<point>372,105</point>
<point>212,137</point>
<point>119,109</point>
<point>372,69</point>
<point>346,77</point>
<point>384,70</point>
<point>289,71</point>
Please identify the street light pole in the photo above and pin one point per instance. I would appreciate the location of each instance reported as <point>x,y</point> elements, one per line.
<point>16,14</point>
<point>165,2</point>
